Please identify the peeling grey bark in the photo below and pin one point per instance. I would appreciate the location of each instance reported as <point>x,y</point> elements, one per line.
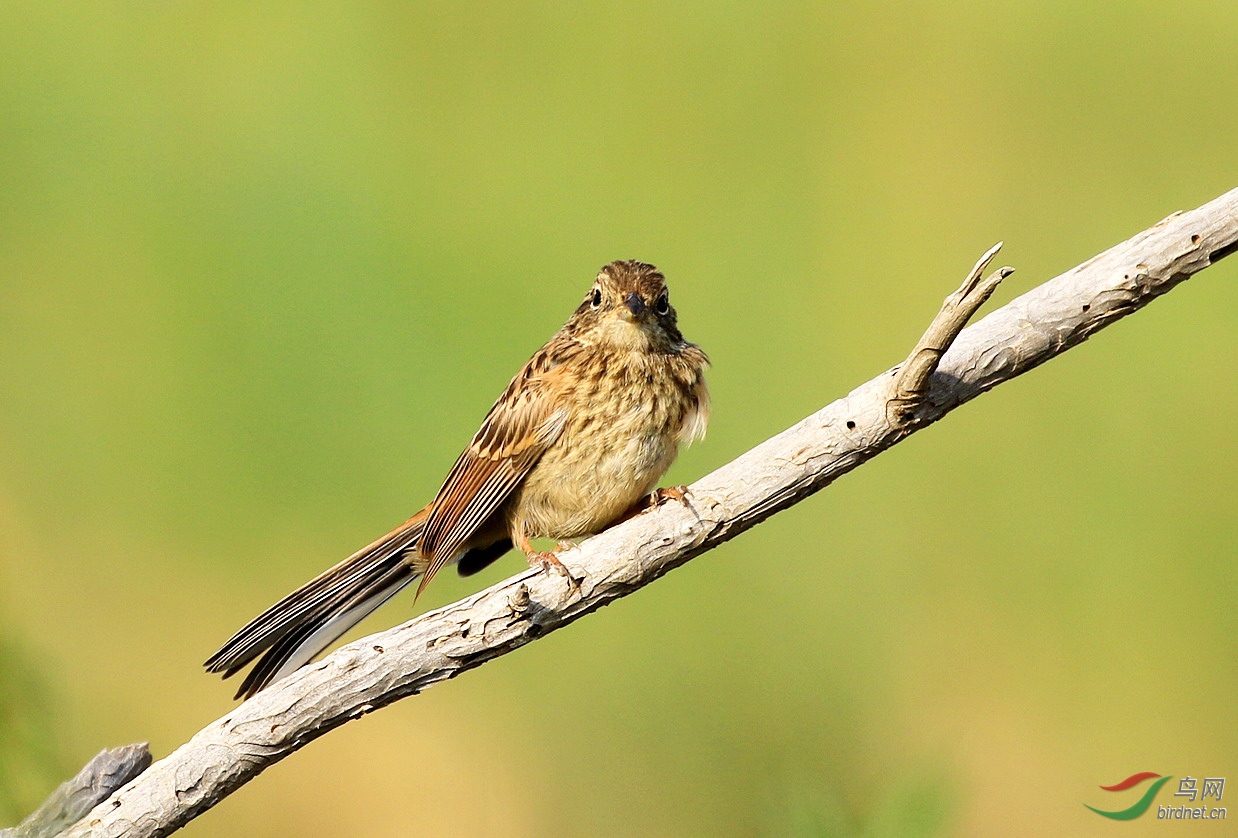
<point>377,670</point>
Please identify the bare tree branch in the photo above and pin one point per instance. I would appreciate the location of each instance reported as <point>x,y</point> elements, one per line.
<point>779,472</point>
<point>108,771</point>
<point>912,385</point>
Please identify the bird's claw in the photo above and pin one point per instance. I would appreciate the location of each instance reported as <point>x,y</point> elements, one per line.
<point>662,495</point>
<point>549,562</point>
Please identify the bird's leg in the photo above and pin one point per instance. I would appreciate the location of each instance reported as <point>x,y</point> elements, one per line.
<point>539,558</point>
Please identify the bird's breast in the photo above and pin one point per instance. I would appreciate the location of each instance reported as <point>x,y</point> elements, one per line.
<point>621,434</point>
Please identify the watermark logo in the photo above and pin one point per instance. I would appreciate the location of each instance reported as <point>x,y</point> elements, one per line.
<point>1142,804</point>
<point>1188,787</point>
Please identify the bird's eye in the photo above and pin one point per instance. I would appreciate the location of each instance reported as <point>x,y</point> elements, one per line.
<point>596,299</point>
<point>663,306</point>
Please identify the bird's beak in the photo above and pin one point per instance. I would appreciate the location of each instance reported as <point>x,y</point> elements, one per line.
<point>633,305</point>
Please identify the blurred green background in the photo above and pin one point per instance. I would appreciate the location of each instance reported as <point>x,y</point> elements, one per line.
<point>264,267</point>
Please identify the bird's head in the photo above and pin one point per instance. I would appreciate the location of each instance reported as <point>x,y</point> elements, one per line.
<point>629,305</point>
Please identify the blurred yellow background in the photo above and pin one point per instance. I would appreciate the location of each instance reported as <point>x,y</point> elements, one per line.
<point>263,268</point>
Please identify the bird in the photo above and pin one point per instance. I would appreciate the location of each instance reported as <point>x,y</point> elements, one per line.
<point>575,443</point>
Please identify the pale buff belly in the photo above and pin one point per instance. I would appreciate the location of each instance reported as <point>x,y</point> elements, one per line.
<point>596,471</point>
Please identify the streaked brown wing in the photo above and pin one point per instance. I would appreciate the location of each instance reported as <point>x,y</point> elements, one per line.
<point>520,426</point>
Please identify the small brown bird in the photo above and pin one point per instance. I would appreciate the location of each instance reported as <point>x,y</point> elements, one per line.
<point>578,438</point>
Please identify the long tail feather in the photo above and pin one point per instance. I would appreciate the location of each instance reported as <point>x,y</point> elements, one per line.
<point>293,631</point>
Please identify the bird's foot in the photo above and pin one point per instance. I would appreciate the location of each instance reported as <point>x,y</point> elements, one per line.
<point>549,562</point>
<point>655,498</point>
<point>660,496</point>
